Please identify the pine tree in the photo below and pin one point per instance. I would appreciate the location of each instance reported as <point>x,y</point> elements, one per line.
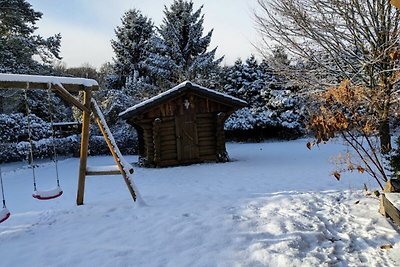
<point>131,47</point>
<point>180,49</point>
<point>246,80</point>
<point>234,79</point>
<point>18,42</point>
<point>271,98</point>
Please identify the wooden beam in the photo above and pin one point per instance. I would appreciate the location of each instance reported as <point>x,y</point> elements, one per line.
<point>72,84</point>
<point>70,98</point>
<point>103,128</point>
<point>84,147</point>
<point>391,210</point>
<point>104,170</point>
<point>44,86</point>
<point>97,173</point>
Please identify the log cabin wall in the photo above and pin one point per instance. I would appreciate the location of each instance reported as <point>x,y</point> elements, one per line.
<point>185,129</point>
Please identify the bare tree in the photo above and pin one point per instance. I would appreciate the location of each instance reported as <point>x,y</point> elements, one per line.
<point>357,40</point>
<point>344,112</point>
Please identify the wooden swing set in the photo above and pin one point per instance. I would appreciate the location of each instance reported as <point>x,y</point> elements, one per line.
<point>65,87</point>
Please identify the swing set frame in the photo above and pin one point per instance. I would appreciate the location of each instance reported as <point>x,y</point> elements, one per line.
<point>65,87</point>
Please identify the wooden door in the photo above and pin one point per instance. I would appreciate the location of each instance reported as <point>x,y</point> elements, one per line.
<point>186,129</point>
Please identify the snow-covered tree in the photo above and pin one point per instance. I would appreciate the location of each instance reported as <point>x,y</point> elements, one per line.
<point>131,47</point>
<point>354,40</point>
<point>272,100</point>
<point>19,45</point>
<point>180,50</point>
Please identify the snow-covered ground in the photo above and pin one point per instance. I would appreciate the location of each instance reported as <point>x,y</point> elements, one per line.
<point>274,204</point>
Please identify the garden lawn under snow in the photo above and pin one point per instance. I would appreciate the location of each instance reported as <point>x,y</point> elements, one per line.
<point>274,204</point>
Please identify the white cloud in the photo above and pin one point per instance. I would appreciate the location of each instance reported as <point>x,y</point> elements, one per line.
<point>86,34</point>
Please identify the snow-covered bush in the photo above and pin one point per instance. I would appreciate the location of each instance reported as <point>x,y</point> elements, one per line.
<point>126,137</point>
<point>243,119</point>
<point>140,90</point>
<point>9,152</point>
<point>38,101</point>
<point>97,145</point>
<point>17,151</point>
<point>112,102</point>
<point>272,101</point>
<point>14,127</point>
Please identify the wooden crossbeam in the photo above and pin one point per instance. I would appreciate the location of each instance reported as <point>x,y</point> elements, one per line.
<point>70,98</point>
<point>19,81</point>
<point>104,170</point>
<point>114,150</point>
<point>44,86</point>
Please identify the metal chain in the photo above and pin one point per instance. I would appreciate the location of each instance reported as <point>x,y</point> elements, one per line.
<point>2,189</point>
<point>52,132</point>
<point>28,113</point>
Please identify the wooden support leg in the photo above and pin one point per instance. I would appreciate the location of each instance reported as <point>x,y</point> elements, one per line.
<point>114,150</point>
<point>84,148</point>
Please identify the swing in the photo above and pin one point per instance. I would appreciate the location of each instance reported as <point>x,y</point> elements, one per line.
<point>57,191</point>
<point>4,212</point>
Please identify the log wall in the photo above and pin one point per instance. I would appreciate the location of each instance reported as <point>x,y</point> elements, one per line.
<point>160,143</point>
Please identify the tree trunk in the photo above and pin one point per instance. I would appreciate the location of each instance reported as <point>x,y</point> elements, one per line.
<point>384,124</point>
<point>384,136</point>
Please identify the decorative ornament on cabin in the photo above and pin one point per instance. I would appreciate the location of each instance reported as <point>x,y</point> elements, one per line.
<point>186,103</point>
<point>183,125</point>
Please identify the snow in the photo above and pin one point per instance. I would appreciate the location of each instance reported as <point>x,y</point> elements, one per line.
<point>4,77</point>
<point>177,88</point>
<point>51,193</point>
<point>125,165</point>
<point>274,204</point>
<point>106,168</point>
<point>394,198</point>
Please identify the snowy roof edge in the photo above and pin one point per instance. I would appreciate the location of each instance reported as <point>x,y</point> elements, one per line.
<point>175,90</point>
<point>7,77</point>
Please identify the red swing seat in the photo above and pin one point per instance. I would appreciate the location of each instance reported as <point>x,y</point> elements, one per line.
<point>49,194</point>
<point>4,214</point>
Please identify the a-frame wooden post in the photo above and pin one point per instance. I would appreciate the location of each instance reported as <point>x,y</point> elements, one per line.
<point>64,86</point>
<point>114,150</point>
<point>84,147</point>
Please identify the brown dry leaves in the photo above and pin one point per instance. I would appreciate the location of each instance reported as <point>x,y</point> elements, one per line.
<point>343,109</point>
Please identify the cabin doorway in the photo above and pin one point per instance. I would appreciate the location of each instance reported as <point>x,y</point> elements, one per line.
<point>187,145</point>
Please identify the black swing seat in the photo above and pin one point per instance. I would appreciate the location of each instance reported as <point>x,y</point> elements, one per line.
<point>4,214</point>
<point>49,194</point>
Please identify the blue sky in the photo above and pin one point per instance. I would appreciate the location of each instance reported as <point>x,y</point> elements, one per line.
<point>87,26</point>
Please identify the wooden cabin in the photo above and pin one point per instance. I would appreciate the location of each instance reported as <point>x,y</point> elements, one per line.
<point>183,125</point>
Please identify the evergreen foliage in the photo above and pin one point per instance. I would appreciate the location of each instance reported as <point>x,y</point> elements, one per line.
<point>179,50</point>
<point>272,100</point>
<point>131,47</point>
<point>18,42</point>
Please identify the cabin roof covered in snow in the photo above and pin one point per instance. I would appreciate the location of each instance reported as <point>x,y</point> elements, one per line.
<point>178,90</point>
<point>20,81</point>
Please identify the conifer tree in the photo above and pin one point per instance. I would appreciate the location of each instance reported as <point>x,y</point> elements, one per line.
<point>131,47</point>
<point>18,42</point>
<point>180,49</point>
<point>272,100</point>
